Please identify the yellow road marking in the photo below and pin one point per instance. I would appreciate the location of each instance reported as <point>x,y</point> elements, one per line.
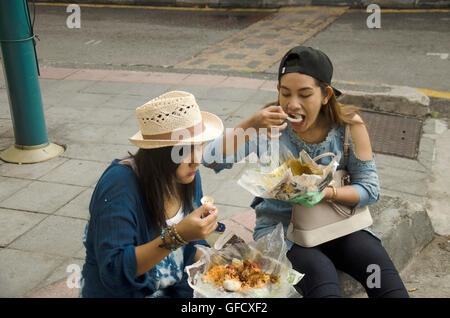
<point>426,91</point>
<point>286,9</point>
<point>432,93</point>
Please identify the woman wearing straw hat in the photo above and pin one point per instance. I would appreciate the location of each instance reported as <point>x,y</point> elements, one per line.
<point>308,117</point>
<point>145,212</point>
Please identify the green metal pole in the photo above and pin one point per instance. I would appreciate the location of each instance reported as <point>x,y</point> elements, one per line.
<point>21,77</point>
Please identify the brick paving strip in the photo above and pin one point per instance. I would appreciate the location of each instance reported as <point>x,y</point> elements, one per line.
<point>155,78</point>
<point>264,43</point>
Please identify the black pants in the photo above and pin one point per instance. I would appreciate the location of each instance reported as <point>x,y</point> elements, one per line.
<point>359,254</point>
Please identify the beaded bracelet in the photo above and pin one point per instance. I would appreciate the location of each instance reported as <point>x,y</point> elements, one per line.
<point>178,236</point>
<point>169,241</point>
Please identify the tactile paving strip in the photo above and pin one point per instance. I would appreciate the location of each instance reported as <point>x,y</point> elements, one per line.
<point>264,43</point>
<point>392,134</point>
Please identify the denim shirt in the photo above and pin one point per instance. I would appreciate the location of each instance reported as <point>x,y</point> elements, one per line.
<point>118,223</point>
<point>270,212</point>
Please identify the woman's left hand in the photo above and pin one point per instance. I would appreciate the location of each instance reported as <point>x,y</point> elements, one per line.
<point>308,199</point>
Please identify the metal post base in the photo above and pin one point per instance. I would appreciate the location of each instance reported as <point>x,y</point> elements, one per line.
<point>31,154</point>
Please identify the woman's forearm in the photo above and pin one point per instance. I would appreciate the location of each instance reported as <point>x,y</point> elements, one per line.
<point>346,195</point>
<point>235,138</point>
<point>149,254</point>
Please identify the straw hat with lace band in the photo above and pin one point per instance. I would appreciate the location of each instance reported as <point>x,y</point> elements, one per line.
<point>174,118</point>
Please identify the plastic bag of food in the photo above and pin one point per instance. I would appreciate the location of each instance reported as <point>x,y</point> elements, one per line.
<point>259,269</point>
<point>283,177</point>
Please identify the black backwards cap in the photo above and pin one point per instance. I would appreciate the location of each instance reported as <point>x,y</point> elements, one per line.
<point>309,61</point>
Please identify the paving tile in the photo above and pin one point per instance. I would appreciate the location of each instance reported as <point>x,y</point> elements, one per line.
<point>15,223</point>
<point>55,73</point>
<point>56,235</point>
<point>204,80</point>
<point>262,97</point>
<point>246,219</point>
<point>63,274</point>
<point>239,230</point>
<point>129,102</point>
<point>98,151</point>
<point>30,171</point>
<point>56,290</point>
<point>81,99</point>
<point>229,192</point>
<point>68,132</point>
<point>218,107</point>
<point>229,211</point>
<point>119,135</point>
<point>9,186</point>
<point>97,115</point>
<point>269,85</point>
<point>241,82</point>
<point>65,88</point>
<point>253,45</point>
<point>4,111</point>
<point>235,56</point>
<point>230,94</point>
<point>164,78</point>
<point>21,271</point>
<point>79,206</point>
<point>197,61</point>
<point>76,172</point>
<point>126,76</point>
<point>147,91</point>
<point>403,180</point>
<point>109,88</point>
<point>253,64</point>
<point>89,75</point>
<point>5,142</point>
<point>6,126</point>
<point>42,197</point>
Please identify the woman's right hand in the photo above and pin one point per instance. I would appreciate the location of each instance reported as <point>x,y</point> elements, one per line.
<point>269,118</point>
<point>198,224</point>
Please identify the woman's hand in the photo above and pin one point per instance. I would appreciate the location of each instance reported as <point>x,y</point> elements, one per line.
<point>199,224</point>
<point>269,118</point>
<point>308,199</point>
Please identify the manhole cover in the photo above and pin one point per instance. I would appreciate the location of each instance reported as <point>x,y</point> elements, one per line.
<point>393,134</point>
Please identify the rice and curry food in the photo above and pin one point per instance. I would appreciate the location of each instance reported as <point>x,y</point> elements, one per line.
<point>239,276</point>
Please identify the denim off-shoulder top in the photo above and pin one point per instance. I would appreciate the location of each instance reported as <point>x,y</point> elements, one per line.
<point>270,212</point>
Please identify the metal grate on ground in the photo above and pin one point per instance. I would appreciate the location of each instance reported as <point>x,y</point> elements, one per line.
<point>393,134</point>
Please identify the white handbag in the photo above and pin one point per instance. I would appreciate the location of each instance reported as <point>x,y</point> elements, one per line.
<point>326,221</point>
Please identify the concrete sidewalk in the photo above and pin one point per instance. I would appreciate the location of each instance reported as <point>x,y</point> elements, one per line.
<point>44,207</point>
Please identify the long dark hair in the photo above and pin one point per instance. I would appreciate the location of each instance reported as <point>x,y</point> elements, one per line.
<point>157,178</point>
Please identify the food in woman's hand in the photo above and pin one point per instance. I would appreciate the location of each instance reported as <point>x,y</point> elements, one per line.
<point>299,168</point>
<point>207,200</point>
<point>239,276</point>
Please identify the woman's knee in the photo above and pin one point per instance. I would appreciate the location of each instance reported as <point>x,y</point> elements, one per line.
<point>320,278</point>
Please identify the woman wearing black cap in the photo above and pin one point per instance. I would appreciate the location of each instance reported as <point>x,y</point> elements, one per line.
<point>308,117</point>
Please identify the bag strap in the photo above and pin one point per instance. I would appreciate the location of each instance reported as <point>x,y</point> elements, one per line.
<point>324,155</point>
<point>346,144</point>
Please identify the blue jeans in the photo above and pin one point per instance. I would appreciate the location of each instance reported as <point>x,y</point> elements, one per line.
<point>359,254</point>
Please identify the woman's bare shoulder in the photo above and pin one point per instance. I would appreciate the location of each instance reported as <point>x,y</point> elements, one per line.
<point>360,137</point>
